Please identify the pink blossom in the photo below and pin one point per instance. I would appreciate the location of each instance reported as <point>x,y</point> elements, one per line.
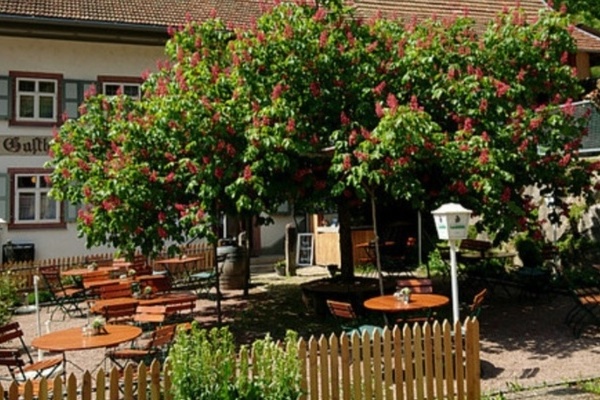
<point>344,118</point>
<point>378,90</point>
<point>247,173</point>
<point>291,125</point>
<point>347,163</point>
<point>315,89</point>
<point>392,102</point>
<point>379,110</point>
<point>170,177</point>
<point>276,93</point>
<point>323,39</point>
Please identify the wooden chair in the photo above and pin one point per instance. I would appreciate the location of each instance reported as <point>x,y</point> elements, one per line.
<point>416,285</point>
<point>474,309</point>
<point>118,289</point>
<point>64,297</point>
<point>140,265</point>
<point>118,313</point>
<point>20,363</point>
<point>155,348</point>
<point>349,320</point>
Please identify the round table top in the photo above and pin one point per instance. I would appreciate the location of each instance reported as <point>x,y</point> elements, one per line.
<point>418,301</point>
<point>73,339</point>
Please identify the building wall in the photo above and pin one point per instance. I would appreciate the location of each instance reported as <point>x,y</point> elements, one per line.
<point>75,61</point>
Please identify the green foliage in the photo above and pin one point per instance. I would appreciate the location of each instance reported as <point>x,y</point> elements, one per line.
<point>8,297</point>
<point>311,101</point>
<point>204,366</point>
<point>530,251</point>
<point>437,265</point>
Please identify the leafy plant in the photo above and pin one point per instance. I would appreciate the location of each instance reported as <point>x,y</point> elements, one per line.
<point>205,367</point>
<point>8,297</point>
<point>530,251</point>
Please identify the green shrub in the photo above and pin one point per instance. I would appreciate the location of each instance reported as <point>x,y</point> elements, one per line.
<point>8,297</point>
<point>205,367</point>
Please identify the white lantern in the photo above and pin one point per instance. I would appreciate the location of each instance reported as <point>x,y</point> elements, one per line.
<point>452,224</point>
<point>452,221</point>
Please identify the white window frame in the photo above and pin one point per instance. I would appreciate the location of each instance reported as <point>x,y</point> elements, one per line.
<point>38,191</point>
<point>37,95</point>
<point>121,87</point>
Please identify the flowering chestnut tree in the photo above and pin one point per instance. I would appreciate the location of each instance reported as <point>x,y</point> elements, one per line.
<point>312,103</point>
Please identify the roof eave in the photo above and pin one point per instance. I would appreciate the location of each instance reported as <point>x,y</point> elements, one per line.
<point>83,30</point>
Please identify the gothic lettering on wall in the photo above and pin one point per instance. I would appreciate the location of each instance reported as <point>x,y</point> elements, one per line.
<point>24,145</point>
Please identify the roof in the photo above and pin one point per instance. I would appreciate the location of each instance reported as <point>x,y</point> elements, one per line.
<point>156,15</point>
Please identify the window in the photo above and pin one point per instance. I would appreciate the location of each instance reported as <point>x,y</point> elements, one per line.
<point>36,98</point>
<point>30,200</point>
<point>112,86</point>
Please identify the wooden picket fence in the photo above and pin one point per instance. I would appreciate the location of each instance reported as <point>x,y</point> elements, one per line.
<point>438,361</point>
<point>23,272</point>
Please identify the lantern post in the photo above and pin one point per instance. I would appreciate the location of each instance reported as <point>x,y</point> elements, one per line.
<point>452,224</point>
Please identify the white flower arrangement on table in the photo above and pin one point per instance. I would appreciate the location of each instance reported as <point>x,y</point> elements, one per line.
<point>403,294</point>
<point>98,325</point>
<point>131,272</point>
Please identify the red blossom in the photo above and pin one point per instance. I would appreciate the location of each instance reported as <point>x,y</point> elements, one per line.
<point>347,163</point>
<point>67,148</point>
<point>276,93</point>
<point>506,194</point>
<point>344,119</point>
<point>153,176</point>
<point>161,232</point>
<point>170,177</point>
<point>162,217</point>
<point>378,90</point>
<point>392,103</point>
<point>219,172</point>
<point>484,156</point>
<point>320,14</point>
<point>247,173</point>
<point>291,125</point>
<point>170,157</point>
<point>483,105</point>
<point>86,217</point>
<point>501,88</point>
<point>379,110</point>
<point>192,167</point>
<point>315,89</point>
<point>414,103</point>
<point>353,138</point>
<point>323,39</point>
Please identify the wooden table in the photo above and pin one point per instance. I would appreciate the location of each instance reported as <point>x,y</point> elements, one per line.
<point>178,263</point>
<point>82,272</point>
<point>72,339</point>
<point>418,301</point>
<point>163,299</point>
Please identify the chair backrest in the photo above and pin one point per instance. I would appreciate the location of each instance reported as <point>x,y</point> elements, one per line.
<point>159,283</point>
<point>11,359</point>
<point>341,309</point>
<point>162,337</point>
<point>113,313</point>
<point>150,314</point>
<point>119,289</point>
<point>475,307</point>
<point>416,285</point>
<point>51,276</point>
<point>98,275</point>
<point>140,265</point>
<point>10,332</point>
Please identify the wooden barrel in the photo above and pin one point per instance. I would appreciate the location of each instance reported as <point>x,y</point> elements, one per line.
<point>234,269</point>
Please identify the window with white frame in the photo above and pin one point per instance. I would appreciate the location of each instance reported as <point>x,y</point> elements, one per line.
<point>114,88</point>
<point>32,205</point>
<point>36,99</point>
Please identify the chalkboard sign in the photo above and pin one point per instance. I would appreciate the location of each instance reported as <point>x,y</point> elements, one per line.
<point>304,249</point>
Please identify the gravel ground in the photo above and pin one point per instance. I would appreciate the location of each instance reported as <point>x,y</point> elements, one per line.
<point>524,342</point>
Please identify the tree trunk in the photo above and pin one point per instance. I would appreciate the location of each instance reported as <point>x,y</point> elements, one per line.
<point>345,221</point>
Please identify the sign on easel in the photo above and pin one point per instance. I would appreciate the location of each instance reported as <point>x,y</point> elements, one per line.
<point>305,249</point>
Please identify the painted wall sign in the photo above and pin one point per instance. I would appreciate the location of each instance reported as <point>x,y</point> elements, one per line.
<point>24,145</point>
